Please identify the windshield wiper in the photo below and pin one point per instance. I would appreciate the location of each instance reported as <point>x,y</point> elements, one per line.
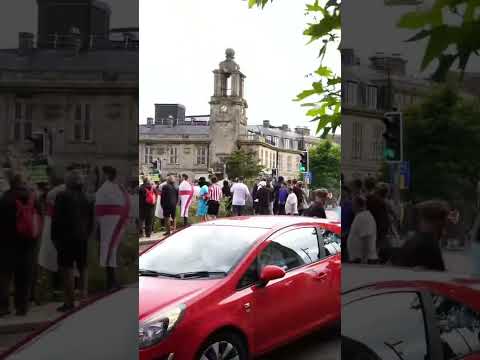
<point>143,272</point>
<point>201,274</point>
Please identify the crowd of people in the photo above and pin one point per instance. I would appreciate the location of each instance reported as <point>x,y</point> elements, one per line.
<point>49,227</point>
<point>266,197</point>
<point>375,232</point>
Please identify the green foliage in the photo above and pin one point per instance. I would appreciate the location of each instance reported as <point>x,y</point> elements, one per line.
<point>243,163</point>
<point>447,43</point>
<point>443,167</point>
<point>324,98</point>
<point>325,165</point>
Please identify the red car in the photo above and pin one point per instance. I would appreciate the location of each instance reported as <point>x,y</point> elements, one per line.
<point>237,288</point>
<point>409,314</point>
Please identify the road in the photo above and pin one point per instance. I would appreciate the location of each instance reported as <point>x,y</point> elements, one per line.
<point>9,340</point>
<point>322,345</point>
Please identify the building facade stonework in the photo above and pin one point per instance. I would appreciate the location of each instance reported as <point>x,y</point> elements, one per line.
<point>80,103</point>
<point>196,144</point>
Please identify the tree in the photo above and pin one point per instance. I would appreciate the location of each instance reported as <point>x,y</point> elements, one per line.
<point>447,43</point>
<point>324,96</point>
<point>447,166</point>
<point>325,165</point>
<point>242,163</point>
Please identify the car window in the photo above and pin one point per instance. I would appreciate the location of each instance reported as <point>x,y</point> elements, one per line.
<point>250,277</point>
<point>459,327</point>
<point>331,242</point>
<point>292,249</point>
<point>391,326</point>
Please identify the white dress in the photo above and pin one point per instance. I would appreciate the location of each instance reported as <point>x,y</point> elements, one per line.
<point>47,255</point>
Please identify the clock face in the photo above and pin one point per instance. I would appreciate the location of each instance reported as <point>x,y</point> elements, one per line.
<point>223,108</point>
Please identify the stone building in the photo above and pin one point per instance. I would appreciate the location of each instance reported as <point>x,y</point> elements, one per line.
<point>195,144</point>
<point>78,101</point>
<point>368,91</point>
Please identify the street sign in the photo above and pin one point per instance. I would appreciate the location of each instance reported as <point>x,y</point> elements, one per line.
<point>405,175</point>
<point>38,174</point>
<point>307,176</point>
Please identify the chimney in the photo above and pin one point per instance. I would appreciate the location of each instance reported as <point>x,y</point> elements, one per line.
<point>149,121</point>
<point>285,127</point>
<point>266,123</point>
<point>393,63</point>
<point>25,42</point>
<point>305,131</point>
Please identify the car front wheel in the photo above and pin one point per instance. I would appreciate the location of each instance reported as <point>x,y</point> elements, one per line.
<point>224,346</point>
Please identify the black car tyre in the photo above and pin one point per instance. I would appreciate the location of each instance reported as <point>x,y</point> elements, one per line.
<point>224,346</point>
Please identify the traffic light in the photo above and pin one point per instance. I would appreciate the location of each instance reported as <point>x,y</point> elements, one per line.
<point>393,136</point>
<point>303,161</point>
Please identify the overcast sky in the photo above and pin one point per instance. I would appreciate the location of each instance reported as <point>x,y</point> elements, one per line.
<point>368,26</point>
<point>183,41</point>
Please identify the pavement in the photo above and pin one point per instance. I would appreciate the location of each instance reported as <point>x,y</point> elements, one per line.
<point>323,344</point>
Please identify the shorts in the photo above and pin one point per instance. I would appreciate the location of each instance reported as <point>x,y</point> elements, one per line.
<point>213,207</point>
<point>170,213</point>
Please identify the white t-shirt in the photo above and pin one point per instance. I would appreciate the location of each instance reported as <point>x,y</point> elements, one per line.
<point>240,193</point>
<point>362,239</point>
<point>291,205</point>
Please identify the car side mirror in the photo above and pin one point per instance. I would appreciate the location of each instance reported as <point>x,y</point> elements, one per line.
<point>269,273</point>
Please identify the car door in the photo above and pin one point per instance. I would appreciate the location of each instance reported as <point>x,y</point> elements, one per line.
<point>327,292</point>
<point>289,307</point>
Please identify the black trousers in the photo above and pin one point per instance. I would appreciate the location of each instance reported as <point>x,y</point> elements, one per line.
<point>20,269</point>
<point>148,213</point>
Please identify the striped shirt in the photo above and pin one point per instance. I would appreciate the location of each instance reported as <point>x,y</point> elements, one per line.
<point>214,192</point>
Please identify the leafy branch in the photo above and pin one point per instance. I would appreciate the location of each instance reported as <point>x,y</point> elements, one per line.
<point>324,97</point>
<point>447,43</point>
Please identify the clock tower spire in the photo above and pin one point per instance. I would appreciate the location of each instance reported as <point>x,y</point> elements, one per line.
<point>228,120</point>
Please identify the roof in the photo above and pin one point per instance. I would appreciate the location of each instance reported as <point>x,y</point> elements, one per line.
<point>260,129</point>
<point>269,222</point>
<point>358,276</point>
<point>175,130</point>
<point>57,60</point>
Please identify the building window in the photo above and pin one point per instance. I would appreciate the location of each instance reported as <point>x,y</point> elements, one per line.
<point>287,143</point>
<point>269,139</point>
<point>377,143</point>
<point>82,123</point>
<point>371,97</point>
<point>148,156</point>
<point>202,155</point>
<point>357,141</point>
<point>351,93</point>
<point>22,126</point>
<point>173,155</point>
<point>276,141</point>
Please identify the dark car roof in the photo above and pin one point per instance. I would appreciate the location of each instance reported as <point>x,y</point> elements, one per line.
<point>270,222</point>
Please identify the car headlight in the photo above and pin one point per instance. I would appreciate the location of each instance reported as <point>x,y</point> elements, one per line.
<point>156,328</point>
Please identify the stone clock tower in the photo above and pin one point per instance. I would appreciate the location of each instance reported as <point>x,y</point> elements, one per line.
<point>228,120</point>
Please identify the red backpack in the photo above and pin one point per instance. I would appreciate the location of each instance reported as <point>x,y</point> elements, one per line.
<point>28,219</point>
<point>151,197</point>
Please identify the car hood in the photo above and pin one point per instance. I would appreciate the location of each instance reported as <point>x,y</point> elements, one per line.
<point>156,293</point>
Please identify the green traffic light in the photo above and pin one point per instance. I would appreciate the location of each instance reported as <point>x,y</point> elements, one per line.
<point>302,168</point>
<point>389,154</point>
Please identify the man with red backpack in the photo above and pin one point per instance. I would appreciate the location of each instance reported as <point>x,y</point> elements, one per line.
<point>148,201</point>
<point>20,228</point>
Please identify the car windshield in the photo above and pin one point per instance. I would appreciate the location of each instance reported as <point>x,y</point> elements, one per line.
<point>204,249</point>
